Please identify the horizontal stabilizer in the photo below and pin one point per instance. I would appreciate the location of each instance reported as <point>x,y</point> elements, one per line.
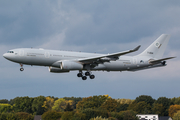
<point>136,49</point>
<point>160,60</point>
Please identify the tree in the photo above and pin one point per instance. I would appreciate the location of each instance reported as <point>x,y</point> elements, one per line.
<point>173,109</point>
<point>61,104</point>
<point>122,107</point>
<point>48,104</point>
<point>145,98</point>
<point>8,116</point>
<point>132,105</point>
<point>129,115</point>
<point>74,99</point>
<point>176,116</point>
<point>92,102</point>
<point>158,109</point>
<point>37,105</point>
<point>117,115</point>
<point>5,108</point>
<point>79,116</point>
<point>124,101</point>
<point>110,105</point>
<point>4,101</point>
<point>23,104</point>
<point>142,108</point>
<point>68,108</point>
<point>51,115</point>
<point>166,102</point>
<point>67,116</point>
<point>99,118</point>
<point>176,100</point>
<point>91,113</point>
<point>24,116</point>
<point>16,116</point>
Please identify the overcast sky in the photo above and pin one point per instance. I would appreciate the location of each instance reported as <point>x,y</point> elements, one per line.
<point>100,26</point>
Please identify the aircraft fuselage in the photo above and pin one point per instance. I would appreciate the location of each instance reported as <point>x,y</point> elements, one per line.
<point>65,61</point>
<point>43,57</point>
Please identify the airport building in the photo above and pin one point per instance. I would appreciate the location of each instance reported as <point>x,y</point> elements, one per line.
<point>152,117</point>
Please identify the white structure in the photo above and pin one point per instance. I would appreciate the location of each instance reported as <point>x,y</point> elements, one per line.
<point>148,116</point>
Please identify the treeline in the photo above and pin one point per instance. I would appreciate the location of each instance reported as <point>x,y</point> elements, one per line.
<point>91,108</point>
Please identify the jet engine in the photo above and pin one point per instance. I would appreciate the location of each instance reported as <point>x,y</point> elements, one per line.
<point>70,65</point>
<point>57,70</point>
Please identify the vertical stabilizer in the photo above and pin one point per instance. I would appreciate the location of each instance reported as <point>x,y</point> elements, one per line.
<point>157,48</point>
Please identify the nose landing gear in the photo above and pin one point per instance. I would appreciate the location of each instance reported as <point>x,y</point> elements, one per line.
<point>21,69</point>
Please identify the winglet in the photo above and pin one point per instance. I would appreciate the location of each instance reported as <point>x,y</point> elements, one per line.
<point>136,49</point>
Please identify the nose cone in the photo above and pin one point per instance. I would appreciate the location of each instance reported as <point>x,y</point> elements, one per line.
<point>5,55</point>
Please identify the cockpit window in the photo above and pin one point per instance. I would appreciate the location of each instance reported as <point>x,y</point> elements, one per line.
<point>10,52</point>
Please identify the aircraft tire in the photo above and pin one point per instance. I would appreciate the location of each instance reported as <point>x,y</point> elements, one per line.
<point>21,69</point>
<point>79,74</point>
<point>84,78</point>
<point>92,76</point>
<point>87,73</point>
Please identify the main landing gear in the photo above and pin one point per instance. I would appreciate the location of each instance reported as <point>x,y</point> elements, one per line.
<point>21,69</point>
<point>84,77</point>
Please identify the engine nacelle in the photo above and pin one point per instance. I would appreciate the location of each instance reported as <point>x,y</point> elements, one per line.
<point>57,70</point>
<point>70,65</point>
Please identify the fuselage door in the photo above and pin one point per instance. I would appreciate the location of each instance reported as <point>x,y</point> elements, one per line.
<point>21,52</point>
<point>46,54</point>
<point>135,61</point>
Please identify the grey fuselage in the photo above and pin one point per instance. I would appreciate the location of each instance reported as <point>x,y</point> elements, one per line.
<point>51,58</point>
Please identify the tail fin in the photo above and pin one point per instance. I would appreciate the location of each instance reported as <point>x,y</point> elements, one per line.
<point>157,48</point>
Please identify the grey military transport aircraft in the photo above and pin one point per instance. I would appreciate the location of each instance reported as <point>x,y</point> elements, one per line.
<point>65,61</point>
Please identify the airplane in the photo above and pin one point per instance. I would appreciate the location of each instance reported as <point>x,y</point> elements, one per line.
<point>66,61</point>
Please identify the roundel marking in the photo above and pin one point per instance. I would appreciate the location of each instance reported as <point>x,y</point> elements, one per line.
<point>157,44</point>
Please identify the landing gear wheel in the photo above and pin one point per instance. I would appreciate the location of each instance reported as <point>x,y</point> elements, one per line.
<point>21,69</point>
<point>79,74</point>
<point>87,73</point>
<point>84,78</point>
<point>92,76</point>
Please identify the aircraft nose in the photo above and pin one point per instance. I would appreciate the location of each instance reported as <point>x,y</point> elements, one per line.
<point>5,55</point>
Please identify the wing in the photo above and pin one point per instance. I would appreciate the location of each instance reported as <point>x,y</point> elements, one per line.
<point>106,58</point>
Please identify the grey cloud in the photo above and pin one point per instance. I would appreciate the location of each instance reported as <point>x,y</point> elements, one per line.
<point>87,22</point>
<point>26,20</point>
